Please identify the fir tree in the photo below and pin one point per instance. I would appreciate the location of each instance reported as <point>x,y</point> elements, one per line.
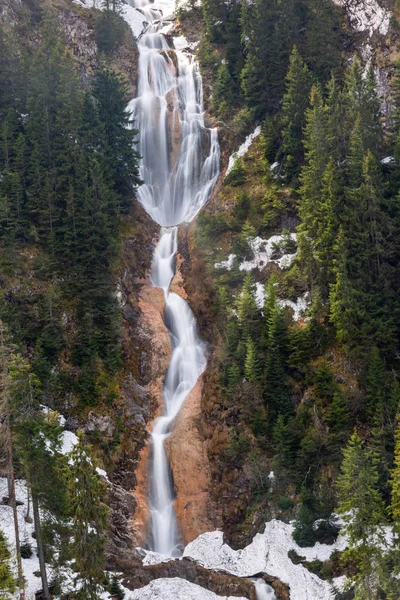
<point>251,364</point>
<point>7,580</point>
<point>89,518</point>
<point>295,102</point>
<point>363,512</point>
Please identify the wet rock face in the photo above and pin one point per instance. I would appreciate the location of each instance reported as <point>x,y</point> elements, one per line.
<point>187,454</point>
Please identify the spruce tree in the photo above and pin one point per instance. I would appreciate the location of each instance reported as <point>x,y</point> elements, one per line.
<point>7,580</point>
<point>89,519</point>
<point>363,512</point>
<point>251,364</point>
<point>295,102</point>
<point>317,149</point>
<point>120,159</point>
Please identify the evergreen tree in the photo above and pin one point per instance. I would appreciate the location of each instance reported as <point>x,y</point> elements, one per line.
<point>89,518</point>
<point>363,512</point>
<point>362,101</point>
<point>251,365</point>
<point>7,580</point>
<point>295,102</point>
<point>317,148</point>
<point>118,136</point>
<point>223,91</point>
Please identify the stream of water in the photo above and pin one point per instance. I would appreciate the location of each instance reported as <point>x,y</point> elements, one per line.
<point>180,166</point>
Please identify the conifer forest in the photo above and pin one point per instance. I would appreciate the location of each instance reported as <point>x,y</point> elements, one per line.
<point>199,299</point>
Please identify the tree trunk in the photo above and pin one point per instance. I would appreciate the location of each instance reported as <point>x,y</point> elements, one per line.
<point>13,503</point>
<point>39,541</point>
<point>12,499</point>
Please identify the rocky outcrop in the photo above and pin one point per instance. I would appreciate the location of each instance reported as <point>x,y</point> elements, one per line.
<point>218,582</point>
<point>151,306</point>
<point>187,454</point>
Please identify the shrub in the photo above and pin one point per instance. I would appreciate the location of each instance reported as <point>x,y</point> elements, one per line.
<point>26,550</point>
<point>285,503</point>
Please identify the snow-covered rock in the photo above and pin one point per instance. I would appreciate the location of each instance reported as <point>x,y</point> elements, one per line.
<point>366,15</point>
<point>135,19</point>
<point>226,264</point>
<point>176,589</point>
<point>268,552</point>
<point>299,307</point>
<point>263,251</point>
<point>243,149</point>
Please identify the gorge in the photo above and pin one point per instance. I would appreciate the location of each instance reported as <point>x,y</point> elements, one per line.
<point>179,167</point>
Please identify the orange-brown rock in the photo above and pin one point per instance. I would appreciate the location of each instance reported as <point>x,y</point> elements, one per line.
<point>177,283</point>
<point>152,306</point>
<point>187,455</point>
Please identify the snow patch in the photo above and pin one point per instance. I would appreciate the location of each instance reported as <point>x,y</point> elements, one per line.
<point>29,565</point>
<point>263,251</point>
<point>259,295</point>
<point>226,264</point>
<point>267,553</point>
<point>367,15</point>
<point>299,307</point>
<point>243,149</point>
<point>171,589</point>
<point>135,19</point>
<point>68,441</point>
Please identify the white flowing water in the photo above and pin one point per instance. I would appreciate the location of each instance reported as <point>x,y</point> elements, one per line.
<point>263,590</point>
<point>179,167</point>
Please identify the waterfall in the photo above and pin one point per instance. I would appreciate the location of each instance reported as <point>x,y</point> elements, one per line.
<point>179,167</point>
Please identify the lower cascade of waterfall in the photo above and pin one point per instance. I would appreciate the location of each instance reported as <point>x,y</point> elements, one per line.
<point>179,167</point>
<point>188,361</point>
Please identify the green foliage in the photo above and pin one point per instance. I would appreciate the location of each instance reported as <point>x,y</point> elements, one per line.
<point>26,550</point>
<point>237,176</point>
<point>89,520</point>
<point>362,510</point>
<point>285,503</point>
<point>295,102</point>
<point>109,31</point>
<point>116,590</point>
<point>7,580</point>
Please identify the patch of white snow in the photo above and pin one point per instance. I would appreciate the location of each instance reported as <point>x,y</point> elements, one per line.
<point>267,553</point>
<point>68,441</point>
<point>226,264</point>
<point>174,589</point>
<point>259,294</point>
<point>263,251</point>
<point>367,15</point>
<point>243,149</point>
<point>299,307</point>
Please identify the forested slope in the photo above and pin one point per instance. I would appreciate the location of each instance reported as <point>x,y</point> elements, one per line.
<point>73,243</point>
<point>304,372</point>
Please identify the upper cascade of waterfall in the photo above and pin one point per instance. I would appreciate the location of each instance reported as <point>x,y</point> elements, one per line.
<point>179,167</point>
<point>180,155</point>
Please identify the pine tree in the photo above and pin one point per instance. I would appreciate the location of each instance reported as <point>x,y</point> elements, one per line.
<point>295,102</point>
<point>7,580</point>
<point>223,92</point>
<point>395,506</point>
<point>118,136</point>
<point>89,518</point>
<point>251,364</point>
<point>276,391</point>
<point>362,101</point>
<point>317,148</point>
<point>363,512</point>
